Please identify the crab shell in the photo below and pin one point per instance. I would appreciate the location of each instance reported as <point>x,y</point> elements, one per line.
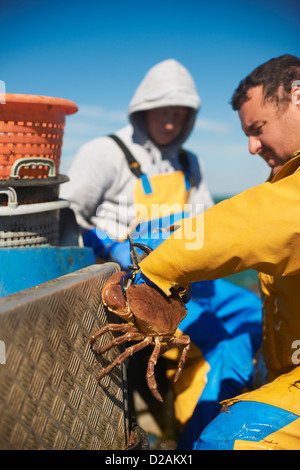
<point>150,310</point>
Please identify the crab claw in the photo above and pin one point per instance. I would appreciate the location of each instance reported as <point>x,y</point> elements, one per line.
<point>113,296</point>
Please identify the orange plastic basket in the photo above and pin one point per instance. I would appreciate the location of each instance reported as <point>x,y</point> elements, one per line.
<point>32,128</point>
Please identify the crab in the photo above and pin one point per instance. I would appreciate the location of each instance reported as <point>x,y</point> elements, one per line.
<point>151,318</point>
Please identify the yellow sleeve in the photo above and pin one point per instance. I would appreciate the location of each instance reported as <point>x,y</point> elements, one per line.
<point>257,229</point>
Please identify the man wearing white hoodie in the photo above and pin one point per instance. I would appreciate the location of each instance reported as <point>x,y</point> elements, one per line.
<point>120,183</point>
<point>102,185</point>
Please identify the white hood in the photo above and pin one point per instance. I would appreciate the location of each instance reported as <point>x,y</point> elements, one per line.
<point>166,84</point>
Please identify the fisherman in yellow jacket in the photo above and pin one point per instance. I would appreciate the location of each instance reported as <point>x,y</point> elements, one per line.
<point>257,229</point>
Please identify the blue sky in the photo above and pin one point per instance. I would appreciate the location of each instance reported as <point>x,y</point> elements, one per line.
<point>95,53</point>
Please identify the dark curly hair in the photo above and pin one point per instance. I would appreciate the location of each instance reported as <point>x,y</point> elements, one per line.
<point>276,76</point>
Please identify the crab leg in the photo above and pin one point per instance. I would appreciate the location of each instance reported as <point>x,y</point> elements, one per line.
<point>123,327</point>
<point>128,352</point>
<point>152,384</point>
<point>120,340</point>
<point>182,342</point>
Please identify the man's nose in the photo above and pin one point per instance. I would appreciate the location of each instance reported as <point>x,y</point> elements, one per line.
<point>169,120</point>
<point>169,125</point>
<point>254,145</point>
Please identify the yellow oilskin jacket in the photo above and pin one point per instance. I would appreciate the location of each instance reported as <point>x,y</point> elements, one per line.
<point>257,229</point>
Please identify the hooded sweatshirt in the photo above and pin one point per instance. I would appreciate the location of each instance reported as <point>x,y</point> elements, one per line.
<point>101,184</point>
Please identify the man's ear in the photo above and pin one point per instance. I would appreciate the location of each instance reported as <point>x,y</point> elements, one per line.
<point>295,92</point>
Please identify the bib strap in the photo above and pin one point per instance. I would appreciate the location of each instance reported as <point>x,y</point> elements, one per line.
<point>184,162</point>
<point>132,163</point>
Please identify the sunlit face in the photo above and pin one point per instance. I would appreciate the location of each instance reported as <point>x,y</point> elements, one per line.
<point>165,124</point>
<point>274,134</point>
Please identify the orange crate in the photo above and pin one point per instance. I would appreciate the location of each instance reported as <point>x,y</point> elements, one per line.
<point>32,127</point>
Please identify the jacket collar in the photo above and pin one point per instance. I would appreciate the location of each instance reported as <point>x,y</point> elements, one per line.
<point>287,169</point>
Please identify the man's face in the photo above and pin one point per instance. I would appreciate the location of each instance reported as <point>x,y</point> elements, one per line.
<point>274,134</point>
<point>165,124</point>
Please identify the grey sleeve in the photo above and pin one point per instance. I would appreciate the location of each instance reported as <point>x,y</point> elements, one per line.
<point>91,173</point>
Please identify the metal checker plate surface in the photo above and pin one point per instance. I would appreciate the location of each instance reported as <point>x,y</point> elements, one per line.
<point>50,397</point>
